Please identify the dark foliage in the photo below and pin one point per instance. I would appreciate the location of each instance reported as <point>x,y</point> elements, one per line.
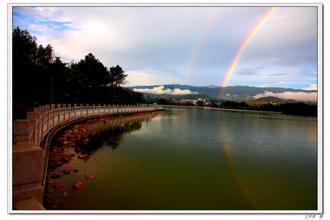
<point>299,109</point>
<point>294,108</point>
<point>233,105</point>
<point>90,72</point>
<point>39,77</point>
<point>117,75</point>
<point>291,108</point>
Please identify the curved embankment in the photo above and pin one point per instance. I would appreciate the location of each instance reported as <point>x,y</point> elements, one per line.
<point>32,135</point>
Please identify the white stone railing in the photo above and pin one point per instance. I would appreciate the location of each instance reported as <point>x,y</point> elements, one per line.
<point>38,123</point>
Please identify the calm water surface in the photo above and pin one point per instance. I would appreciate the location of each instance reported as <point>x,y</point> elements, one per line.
<point>192,158</point>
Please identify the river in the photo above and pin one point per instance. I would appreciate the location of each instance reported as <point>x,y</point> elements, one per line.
<point>187,159</point>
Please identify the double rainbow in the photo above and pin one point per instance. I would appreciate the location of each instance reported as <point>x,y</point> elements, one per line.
<point>261,20</point>
<point>197,51</point>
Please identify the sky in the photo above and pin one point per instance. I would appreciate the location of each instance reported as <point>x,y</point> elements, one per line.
<point>184,45</point>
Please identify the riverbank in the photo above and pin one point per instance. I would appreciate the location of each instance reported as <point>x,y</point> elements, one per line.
<point>246,110</point>
<point>27,142</point>
<point>221,109</point>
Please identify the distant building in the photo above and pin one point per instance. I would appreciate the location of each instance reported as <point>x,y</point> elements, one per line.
<point>262,103</point>
<point>196,102</point>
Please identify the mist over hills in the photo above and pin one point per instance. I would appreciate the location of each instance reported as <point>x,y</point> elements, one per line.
<point>235,93</point>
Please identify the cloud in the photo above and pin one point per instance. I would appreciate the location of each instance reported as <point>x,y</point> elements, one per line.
<point>40,25</point>
<point>161,90</point>
<point>165,39</point>
<point>311,87</point>
<point>247,71</point>
<point>286,29</point>
<point>299,96</point>
<point>149,77</point>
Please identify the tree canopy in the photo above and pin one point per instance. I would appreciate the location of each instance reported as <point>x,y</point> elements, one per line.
<point>90,72</point>
<point>39,77</point>
<point>117,75</point>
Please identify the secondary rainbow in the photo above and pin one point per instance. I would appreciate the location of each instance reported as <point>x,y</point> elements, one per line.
<point>261,20</point>
<point>197,51</point>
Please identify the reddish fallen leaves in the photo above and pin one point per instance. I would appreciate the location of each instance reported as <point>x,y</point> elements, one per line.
<point>88,176</point>
<point>67,170</point>
<point>77,185</point>
<point>49,180</point>
<point>58,185</point>
<point>55,175</point>
<point>65,194</point>
<point>82,156</point>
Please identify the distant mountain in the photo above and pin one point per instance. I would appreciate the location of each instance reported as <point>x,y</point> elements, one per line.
<point>236,93</point>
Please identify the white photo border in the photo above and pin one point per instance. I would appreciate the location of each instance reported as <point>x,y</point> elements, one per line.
<point>320,106</point>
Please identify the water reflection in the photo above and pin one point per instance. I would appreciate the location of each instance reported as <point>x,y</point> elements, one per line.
<point>233,170</point>
<point>188,159</point>
<point>236,177</point>
<point>82,139</point>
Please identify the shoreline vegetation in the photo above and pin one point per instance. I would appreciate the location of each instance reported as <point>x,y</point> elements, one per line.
<point>221,109</point>
<point>288,108</point>
<point>40,77</point>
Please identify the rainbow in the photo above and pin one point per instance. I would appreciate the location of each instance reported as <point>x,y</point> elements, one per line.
<point>197,51</point>
<point>261,20</point>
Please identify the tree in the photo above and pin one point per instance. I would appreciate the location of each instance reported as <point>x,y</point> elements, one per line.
<point>35,69</point>
<point>39,77</point>
<point>44,56</point>
<point>24,50</point>
<point>59,74</point>
<point>90,72</point>
<point>117,75</point>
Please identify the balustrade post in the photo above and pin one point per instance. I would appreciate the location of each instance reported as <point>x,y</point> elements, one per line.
<point>69,109</point>
<point>75,110</point>
<point>37,117</point>
<point>62,109</point>
<point>44,123</point>
<point>30,116</point>
<point>53,114</point>
<point>41,127</point>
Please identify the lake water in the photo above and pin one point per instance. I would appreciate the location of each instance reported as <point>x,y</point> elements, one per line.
<point>192,159</point>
